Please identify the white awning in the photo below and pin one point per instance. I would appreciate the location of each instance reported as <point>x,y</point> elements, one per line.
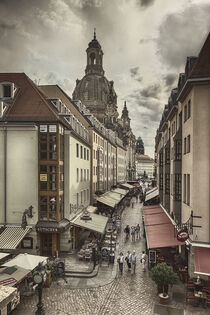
<point>127,185</point>
<point>91,209</point>
<point>107,201</point>
<point>152,194</point>
<point>26,261</point>
<point>97,223</point>
<point>12,236</point>
<point>2,255</point>
<point>120,191</point>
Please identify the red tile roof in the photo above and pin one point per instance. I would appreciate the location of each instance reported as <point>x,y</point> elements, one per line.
<point>29,103</point>
<point>201,68</point>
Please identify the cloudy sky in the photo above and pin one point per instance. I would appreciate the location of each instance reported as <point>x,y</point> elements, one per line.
<point>145,44</point>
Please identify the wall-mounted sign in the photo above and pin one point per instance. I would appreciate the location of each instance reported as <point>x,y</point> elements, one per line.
<point>182,235</point>
<point>52,128</point>
<point>43,128</point>
<point>43,177</point>
<point>47,229</point>
<point>27,242</point>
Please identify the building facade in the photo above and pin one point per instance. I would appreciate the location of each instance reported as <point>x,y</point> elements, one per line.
<point>144,166</point>
<point>183,157</point>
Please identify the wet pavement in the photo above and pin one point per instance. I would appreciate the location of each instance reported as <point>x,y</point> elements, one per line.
<point>109,292</point>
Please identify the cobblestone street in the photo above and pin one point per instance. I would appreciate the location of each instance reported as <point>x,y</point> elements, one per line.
<point>127,294</point>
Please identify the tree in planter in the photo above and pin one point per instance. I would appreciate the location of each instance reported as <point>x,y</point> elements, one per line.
<point>163,275</point>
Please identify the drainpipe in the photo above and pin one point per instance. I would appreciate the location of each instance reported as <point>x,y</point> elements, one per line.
<point>5,175</point>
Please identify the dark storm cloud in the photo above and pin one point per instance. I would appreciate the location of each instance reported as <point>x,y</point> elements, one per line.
<point>134,72</point>
<point>151,91</point>
<point>145,3</point>
<point>182,35</point>
<point>6,26</point>
<point>170,79</point>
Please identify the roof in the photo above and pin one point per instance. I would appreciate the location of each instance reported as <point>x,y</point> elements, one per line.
<point>143,157</point>
<point>152,193</point>
<point>201,260</point>
<point>97,223</point>
<point>29,103</point>
<point>12,236</point>
<point>160,232</point>
<point>26,261</point>
<point>53,225</point>
<point>120,191</point>
<point>107,201</point>
<point>12,275</point>
<point>201,68</point>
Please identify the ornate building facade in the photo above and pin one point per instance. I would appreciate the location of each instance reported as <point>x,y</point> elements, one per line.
<point>98,95</point>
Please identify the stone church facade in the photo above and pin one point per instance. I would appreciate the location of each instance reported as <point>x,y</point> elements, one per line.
<point>97,93</point>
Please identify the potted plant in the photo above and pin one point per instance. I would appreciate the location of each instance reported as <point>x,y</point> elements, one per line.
<point>163,275</point>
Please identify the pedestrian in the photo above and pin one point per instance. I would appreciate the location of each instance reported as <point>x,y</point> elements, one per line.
<point>133,233</point>
<point>127,231</point>
<point>120,261</point>
<point>128,259</point>
<point>143,261</point>
<point>136,199</point>
<point>133,262</point>
<point>132,203</point>
<point>138,235</point>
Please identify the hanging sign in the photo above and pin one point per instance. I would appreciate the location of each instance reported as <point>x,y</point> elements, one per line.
<point>152,256</point>
<point>43,177</point>
<point>43,128</point>
<point>52,128</point>
<point>182,235</point>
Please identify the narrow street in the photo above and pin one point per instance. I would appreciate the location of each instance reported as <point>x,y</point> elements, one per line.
<point>127,294</point>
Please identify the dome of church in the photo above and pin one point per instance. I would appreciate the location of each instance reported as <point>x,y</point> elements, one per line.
<point>93,88</point>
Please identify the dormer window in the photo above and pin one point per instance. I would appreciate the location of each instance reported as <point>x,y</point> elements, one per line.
<point>7,90</point>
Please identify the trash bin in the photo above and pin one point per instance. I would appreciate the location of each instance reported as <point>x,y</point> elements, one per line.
<point>111,258</point>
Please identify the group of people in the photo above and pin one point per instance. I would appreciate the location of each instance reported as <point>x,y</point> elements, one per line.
<point>131,260</point>
<point>134,231</point>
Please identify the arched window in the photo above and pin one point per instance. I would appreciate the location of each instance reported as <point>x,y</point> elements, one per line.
<point>92,59</point>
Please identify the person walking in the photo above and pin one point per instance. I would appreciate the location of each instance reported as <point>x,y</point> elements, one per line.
<point>120,261</point>
<point>133,262</point>
<point>128,260</point>
<point>133,233</point>
<point>143,261</point>
<point>138,236</point>
<point>132,203</point>
<point>127,231</point>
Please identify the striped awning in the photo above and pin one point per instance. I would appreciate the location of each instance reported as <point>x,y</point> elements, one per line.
<point>12,236</point>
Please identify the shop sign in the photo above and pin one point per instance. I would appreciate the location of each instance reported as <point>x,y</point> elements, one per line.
<point>43,177</point>
<point>43,128</point>
<point>182,235</point>
<point>52,128</point>
<point>47,229</point>
<point>8,281</point>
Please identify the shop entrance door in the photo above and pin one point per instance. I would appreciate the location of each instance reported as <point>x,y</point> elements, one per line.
<point>46,244</point>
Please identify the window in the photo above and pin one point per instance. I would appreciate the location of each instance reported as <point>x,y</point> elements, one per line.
<point>167,183</point>
<point>167,155</point>
<point>87,154</point>
<point>161,182</point>
<point>48,205</point>
<point>178,150</point>
<point>177,186</point>
<point>96,139</point>
<point>77,199</point>
<point>77,149</point>
<point>93,170</point>
<point>185,145</point>
<point>85,175</point>
<point>161,158</point>
<point>81,175</point>
<point>48,177</point>
<point>188,143</point>
<point>88,174</point>
<point>84,153</point>
<point>185,183</point>
<point>7,90</point>
<point>81,152</point>
<point>94,156</point>
<point>188,189</point>
<point>94,136</point>
<point>77,175</point>
<point>81,197</point>
<point>189,109</point>
<point>185,113</point>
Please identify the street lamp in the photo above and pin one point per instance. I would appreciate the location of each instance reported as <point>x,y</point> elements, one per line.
<point>39,278</point>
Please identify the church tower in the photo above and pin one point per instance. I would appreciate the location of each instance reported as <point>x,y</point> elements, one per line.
<point>125,118</point>
<point>94,57</point>
<point>94,90</point>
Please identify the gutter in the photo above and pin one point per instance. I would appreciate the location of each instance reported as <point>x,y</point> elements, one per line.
<point>5,175</point>
<point>191,81</point>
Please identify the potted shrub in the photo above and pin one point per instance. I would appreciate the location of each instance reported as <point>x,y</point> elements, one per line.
<point>163,275</point>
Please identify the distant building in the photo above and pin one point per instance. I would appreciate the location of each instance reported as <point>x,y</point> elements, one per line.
<point>144,166</point>
<point>139,146</point>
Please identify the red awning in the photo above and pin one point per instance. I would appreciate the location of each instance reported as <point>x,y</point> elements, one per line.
<point>160,231</point>
<point>202,260</point>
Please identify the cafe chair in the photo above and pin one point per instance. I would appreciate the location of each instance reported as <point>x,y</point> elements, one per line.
<point>190,298</point>
<point>206,289</point>
<point>190,286</point>
<point>207,301</point>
